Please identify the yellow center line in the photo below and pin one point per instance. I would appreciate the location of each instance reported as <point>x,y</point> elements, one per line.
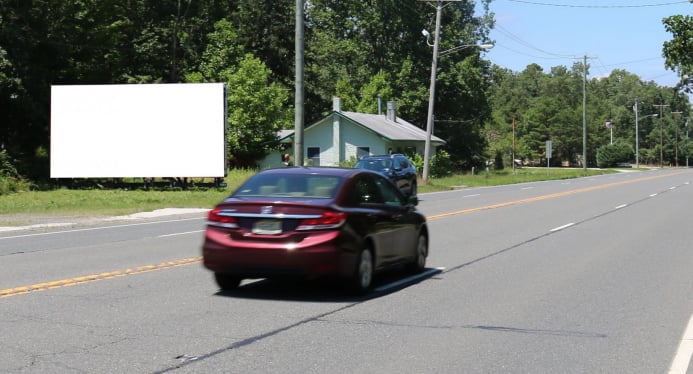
<point>23,290</point>
<point>546,197</point>
<point>96,277</point>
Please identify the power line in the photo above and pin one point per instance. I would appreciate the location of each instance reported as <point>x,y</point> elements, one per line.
<point>526,44</point>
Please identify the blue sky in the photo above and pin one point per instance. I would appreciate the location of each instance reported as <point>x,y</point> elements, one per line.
<point>617,34</point>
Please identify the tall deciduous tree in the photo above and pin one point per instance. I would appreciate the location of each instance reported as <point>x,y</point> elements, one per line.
<point>678,52</point>
<point>256,105</point>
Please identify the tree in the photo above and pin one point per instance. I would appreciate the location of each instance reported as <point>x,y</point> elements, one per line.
<point>255,103</point>
<point>265,28</point>
<point>379,85</point>
<point>678,52</point>
<point>256,111</point>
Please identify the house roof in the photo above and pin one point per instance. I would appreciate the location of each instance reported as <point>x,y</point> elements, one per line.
<point>399,130</point>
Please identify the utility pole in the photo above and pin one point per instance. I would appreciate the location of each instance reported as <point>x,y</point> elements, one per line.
<point>584,113</point>
<point>432,89</point>
<point>661,134</point>
<point>512,160</point>
<point>687,145</point>
<point>676,141</point>
<point>637,142</point>
<point>298,101</point>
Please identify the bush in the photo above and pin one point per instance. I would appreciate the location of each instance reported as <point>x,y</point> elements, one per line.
<point>416,160</point>
<point>441,165</point>
<point>613,154</point>
<point>498,162</point>
<point>350,163</point>
<point>10,180</point>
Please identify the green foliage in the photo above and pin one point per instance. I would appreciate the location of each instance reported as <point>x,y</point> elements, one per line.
<point>503,177</point>
<point>222,53</point>
<point>346,92</point>
<point>678,52</point>
<point>355,49</point>
<point>416,160</point>
<point>98,202</point>
<point>377,86</point>
<point>350,163</point>
<point>498,161</point>
<point>611,155</point>
<point>255,112</point>
<point>549,107</point>
<point>10,179</point>
<point>256,105</point>
<point>441,164</point>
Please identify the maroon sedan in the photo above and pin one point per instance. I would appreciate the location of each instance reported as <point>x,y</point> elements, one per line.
<point>313,222</point>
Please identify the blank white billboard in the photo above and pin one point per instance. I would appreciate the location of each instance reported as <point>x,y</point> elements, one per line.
<point>138,130</point>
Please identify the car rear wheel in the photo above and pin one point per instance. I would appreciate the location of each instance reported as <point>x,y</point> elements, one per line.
<point>227,282</point>
<point>363,274</point>
<point>419,263</point>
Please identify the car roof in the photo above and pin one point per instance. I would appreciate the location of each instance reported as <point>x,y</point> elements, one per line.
<point>379,157</point>
<point>307,170</point>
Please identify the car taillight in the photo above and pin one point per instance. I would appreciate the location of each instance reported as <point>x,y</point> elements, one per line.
<point>328,220</point>
<point>217,217</point>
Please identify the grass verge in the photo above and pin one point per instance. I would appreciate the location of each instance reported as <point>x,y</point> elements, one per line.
<point>110,202</point>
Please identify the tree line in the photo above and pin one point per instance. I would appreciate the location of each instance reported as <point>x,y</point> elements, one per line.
<point>358,50</point>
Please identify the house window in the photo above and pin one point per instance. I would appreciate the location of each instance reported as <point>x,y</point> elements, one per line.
<point>362,152</point>
<point>314,156</point>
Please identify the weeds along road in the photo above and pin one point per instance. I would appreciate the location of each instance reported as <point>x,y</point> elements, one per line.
<point>578,276</point>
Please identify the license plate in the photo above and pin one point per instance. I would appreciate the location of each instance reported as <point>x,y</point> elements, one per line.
<point>267,227</point>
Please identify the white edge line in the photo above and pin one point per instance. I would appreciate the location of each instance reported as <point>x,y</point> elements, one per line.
<point>653,195</point>
<point>562,227</point>
<point>180,233</point>
<point>474,195</point>
<point>98,228</point>
<point>685,351</point>
<point>621,206</point>
<point>409,279</point>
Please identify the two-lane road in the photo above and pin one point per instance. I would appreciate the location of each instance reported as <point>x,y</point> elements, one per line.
<point>591,275</point>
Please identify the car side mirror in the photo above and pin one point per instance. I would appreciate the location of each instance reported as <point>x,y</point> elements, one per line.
<point>413,200</point>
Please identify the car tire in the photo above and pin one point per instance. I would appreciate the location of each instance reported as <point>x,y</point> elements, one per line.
<point>362,279</point>
<point>419,263</point>
<point>227,282</point>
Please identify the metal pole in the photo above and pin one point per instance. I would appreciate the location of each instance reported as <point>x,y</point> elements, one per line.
<point>432,95</point>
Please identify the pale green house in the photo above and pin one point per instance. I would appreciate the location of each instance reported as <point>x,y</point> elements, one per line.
<point>342,135</point>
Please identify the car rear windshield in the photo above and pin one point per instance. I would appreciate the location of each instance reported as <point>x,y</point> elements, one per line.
<point>291,185</point>
<point>375,164</point>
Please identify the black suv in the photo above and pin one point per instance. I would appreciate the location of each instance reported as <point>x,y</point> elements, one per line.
<point>396,167</point>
